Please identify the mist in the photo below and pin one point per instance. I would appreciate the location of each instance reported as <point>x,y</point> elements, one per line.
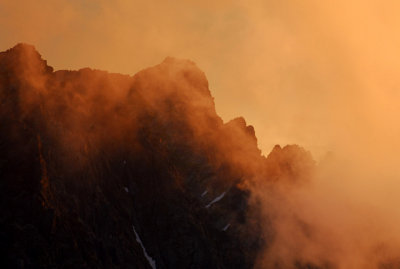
<point>317,74</point>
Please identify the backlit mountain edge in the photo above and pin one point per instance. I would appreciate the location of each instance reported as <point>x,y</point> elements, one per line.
<point>102,170</point>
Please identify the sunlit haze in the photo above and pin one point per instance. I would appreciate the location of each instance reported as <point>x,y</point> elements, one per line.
<point>309,72</point>
<point>319,74</point>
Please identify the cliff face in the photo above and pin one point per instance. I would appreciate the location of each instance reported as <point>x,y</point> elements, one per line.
<point>101,170</point>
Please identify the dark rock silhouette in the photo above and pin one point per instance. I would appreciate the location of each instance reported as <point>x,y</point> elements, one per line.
<point>101,170</point>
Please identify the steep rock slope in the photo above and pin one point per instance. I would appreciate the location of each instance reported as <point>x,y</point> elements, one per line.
<point>101,170</point>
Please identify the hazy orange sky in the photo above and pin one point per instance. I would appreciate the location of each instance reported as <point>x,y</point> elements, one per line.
<point>321,74</point>
<point>318,73</point>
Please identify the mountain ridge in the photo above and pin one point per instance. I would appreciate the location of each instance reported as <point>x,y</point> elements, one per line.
<point>101,170</point>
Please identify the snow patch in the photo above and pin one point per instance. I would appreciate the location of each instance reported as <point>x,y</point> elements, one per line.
<point>216,199</point>
<point>151,261</point>
<point>204,193</point>
<point>226,227</point>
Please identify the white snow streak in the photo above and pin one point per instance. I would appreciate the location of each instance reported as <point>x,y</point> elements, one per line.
<point>204,193</point>
<point>226,227</point>
<point>151,261</point>
<point>216,199</point>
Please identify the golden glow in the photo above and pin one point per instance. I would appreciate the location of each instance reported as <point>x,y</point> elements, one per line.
<point>306,72</point>
<point>322,74</point>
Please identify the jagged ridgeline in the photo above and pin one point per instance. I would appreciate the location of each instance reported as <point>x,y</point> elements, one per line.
<point>102,170</point>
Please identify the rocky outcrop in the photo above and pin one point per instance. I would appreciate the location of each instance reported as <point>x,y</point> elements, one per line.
<point>101,170</point>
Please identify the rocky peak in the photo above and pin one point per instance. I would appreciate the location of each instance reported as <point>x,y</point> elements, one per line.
<point>24,59</point>
<point>108,171</point>
<point>291,163</point>
<point>175,74</point>
<point>24,47</point>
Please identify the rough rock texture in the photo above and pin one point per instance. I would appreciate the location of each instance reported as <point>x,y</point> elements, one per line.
<point>88,158</point>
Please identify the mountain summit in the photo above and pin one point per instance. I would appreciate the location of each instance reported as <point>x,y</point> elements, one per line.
<point>102,170</point>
